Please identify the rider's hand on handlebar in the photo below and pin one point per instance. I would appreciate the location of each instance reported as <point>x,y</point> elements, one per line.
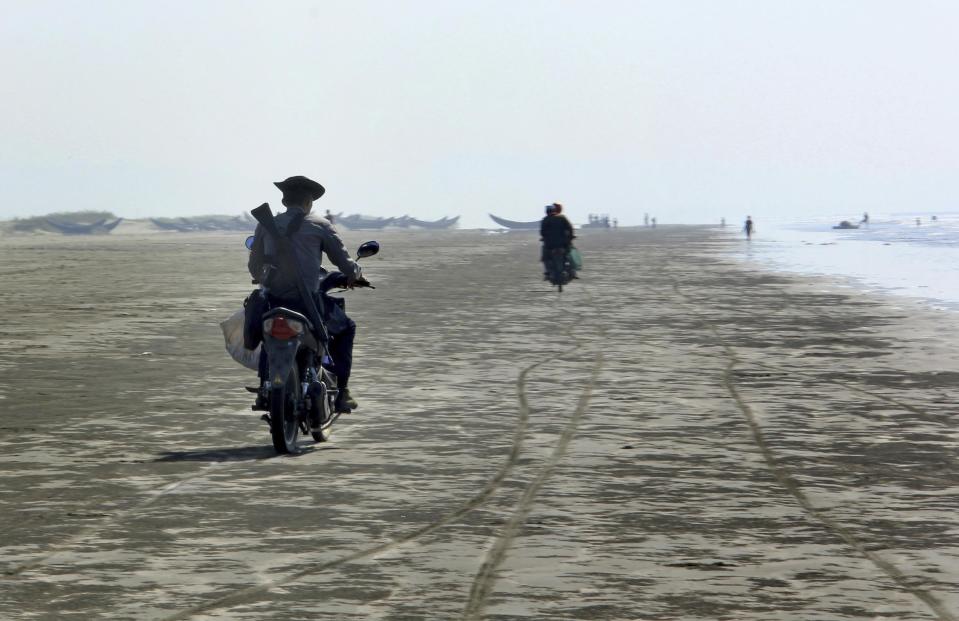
<point>361,282</point>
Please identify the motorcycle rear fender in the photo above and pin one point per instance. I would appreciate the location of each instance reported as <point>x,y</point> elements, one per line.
<point>280,355</point>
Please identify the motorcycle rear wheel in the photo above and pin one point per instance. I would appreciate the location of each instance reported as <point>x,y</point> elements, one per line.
<point>284,426</point>
<point>322,412</point>
<point>558,271</point>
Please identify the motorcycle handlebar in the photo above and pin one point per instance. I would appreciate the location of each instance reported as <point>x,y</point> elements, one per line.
<point>338,280</point>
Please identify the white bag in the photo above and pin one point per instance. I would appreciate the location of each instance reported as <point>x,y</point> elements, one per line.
<point>233,335</point>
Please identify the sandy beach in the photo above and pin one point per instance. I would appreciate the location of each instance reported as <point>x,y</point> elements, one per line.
<point>675,436</point>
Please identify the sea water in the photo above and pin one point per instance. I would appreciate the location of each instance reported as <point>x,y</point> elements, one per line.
<point>892,253</point>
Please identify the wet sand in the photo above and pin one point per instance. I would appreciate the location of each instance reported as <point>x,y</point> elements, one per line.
<point>676,436</point>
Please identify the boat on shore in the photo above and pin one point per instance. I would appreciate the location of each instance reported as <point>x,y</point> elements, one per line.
<point>595,225</point>
<point>846,224</point>
<point>512,224</point>
<point>100,227</point>
<point>406,222</point>
<point>360,222</point>
<point>205,223</point>
<point>180,225</point>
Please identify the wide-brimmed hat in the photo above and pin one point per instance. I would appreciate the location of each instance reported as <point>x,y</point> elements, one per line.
<point>299,182</point>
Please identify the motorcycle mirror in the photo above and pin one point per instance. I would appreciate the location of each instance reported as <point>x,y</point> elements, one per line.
<point>368,249</point>
<point>249,243</point>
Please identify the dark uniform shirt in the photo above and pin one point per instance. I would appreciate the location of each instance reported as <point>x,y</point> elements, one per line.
<point>556,231</point>
<point>315,237</point>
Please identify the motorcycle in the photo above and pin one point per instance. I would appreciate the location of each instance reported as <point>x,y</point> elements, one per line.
<point>559,269</point>
<point>300,388</point>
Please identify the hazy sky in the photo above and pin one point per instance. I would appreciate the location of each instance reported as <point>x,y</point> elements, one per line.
<point>688,110</point>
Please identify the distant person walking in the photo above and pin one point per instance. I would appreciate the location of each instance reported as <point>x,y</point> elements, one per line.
<point>329,216</point>
<point>748,227</point>
<point>865,219</point>
<point>722,222</point>
<point>645,219</point>
<point>653,220</point>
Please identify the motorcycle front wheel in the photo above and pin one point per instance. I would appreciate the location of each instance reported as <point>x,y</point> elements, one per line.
<point>284,426</point>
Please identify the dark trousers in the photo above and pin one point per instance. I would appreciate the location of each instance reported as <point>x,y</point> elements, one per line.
<point>341,353</point>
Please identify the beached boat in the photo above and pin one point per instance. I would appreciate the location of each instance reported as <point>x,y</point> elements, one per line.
<point>846,224</point>
<point>512,224</point>
<point>596,224</point>
<point>205,223</point>
<point>180,225</point>
<point>359,222</point>
<point>242,222</point>
<point>442,223</point>
<point>100,227</point>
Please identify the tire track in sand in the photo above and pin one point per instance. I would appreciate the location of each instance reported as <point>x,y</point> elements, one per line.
<point>242,596</point>
<point>908,583</point>
<point>103,522</point>
<point>486,576</point>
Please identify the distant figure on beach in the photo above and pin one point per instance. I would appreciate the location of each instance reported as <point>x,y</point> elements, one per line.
<point>748,227</point>
<point>329,216</point>
<point>555,231</point>
<point>722,222</point>
<point>865,219</point>
<point>645,219</point>
<point>616,223</point>
<point>918,222</point>
<point>654,222</point>
<point>935,218</point>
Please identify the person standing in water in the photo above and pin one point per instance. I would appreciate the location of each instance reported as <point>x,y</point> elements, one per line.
<point>748,227</point>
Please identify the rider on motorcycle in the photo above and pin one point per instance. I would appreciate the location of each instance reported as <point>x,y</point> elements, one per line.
<point>556,232</point>
<point>315,237</point>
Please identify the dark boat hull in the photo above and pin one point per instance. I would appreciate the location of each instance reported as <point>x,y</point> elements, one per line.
<point>511,224</point>
<point>99,227</point>
<point>845,224</point>
<point>180,225</point>
<point>356,222</point>
<point>204,223</point>
<point>442,223</point>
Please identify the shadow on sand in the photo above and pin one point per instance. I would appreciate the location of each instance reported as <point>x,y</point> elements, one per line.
<point>239,453</point>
